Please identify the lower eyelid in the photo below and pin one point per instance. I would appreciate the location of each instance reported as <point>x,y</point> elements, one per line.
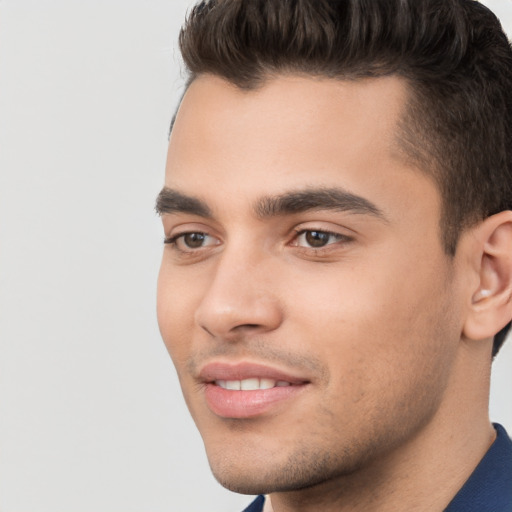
<point>336,236</point>
<point>177,242</point>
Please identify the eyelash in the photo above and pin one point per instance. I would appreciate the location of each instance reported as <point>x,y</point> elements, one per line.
<point>174,239</point>
<point>298,233</point>
<point>338,238</point>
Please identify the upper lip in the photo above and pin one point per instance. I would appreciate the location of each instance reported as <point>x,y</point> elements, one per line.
<point>218,370</point>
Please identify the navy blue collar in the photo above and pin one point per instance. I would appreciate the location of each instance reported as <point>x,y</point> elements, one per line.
<point>256,505</point>
<point>489,488</point>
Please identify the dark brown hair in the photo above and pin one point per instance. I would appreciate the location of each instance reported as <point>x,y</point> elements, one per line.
<point>452,53</point>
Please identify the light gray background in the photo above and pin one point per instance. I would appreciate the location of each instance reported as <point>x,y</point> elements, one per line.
<point>91,417</point>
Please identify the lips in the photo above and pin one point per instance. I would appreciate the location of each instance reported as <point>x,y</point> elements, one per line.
<point>248,390</point>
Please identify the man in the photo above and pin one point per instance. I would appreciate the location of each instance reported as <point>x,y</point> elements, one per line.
<point>337,273</point>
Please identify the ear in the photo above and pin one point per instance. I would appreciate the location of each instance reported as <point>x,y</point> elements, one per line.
<point>491,301</point>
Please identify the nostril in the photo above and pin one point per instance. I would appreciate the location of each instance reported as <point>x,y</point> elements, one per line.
<point>247,328</point>
<point>234,333</point>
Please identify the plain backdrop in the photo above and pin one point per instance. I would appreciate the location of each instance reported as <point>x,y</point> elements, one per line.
<point>91,416</point>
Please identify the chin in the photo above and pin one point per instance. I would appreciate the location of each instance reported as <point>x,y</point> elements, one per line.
<point>265,475</point>
<point>243,484</point>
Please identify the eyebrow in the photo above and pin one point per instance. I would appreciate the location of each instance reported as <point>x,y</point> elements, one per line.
<point>172,201</point>
<point>289,203</point>
<point>301,201</point>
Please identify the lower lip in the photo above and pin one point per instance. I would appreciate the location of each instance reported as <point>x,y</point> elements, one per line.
<point>227,403</point>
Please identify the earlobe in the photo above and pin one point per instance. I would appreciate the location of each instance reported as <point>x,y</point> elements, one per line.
<point>491,302</point>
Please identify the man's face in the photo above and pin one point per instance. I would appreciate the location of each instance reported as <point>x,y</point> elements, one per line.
<point>304,297</point>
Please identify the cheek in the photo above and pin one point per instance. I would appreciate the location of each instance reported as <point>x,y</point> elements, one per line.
<point>175,313</point>
<point>388,349</point>
<point>371,327</point>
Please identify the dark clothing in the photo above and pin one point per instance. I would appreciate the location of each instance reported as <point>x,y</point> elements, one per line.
<point>488,489</point>
<point>256,505</point>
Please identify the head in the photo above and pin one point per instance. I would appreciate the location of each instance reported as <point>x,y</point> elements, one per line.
<point>337,199</point>
<point>453,55</point>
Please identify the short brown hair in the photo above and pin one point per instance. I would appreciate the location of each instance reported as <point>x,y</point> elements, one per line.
<point>453,54</point>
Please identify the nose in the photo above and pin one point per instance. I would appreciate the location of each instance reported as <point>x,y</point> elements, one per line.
<point>240,299</point>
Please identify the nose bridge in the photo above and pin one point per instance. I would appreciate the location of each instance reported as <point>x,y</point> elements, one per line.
<point>240,294</point>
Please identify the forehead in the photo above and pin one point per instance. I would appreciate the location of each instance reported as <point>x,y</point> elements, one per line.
<point>293,105</point>
<point>291,132</point>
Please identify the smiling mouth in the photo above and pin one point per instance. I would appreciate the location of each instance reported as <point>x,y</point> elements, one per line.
<point>250,397</point>
<point>246,390</point>
<point>252,384</point>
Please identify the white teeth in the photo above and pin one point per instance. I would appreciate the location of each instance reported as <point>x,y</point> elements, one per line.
<point>267,383</point>
<point>233,384</point>
<point>250,384</point>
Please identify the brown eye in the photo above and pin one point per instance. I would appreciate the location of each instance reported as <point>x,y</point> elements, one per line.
<point>194,240</point>
<point>317,238</point>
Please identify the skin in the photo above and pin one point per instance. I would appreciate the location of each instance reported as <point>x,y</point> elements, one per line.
<point>394,413</point>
